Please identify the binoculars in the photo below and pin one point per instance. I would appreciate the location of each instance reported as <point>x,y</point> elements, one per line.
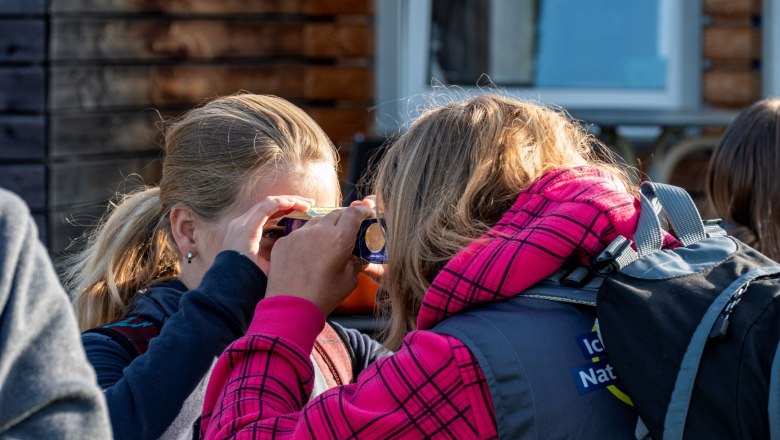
<point>371,238</point>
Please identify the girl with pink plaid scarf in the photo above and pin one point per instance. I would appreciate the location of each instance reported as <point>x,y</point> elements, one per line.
<point>482,199</point>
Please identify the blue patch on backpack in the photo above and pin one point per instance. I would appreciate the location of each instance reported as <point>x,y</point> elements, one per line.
<point>594,376</point>
<point>590,345</point>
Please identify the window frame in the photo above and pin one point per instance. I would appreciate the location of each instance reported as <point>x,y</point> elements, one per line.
<point>403,39</point>
<point>771,47</point>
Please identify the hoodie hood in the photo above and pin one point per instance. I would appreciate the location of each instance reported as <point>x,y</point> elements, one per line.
<point>567,213</point>
<point>160,301</point>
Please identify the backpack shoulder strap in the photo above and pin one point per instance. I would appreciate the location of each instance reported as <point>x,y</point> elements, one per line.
<point>333,358</point>
<point>576,286</point>
<point>132,332</point>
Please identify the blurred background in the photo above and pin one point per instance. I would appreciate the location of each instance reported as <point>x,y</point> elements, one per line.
<point>85,83</point>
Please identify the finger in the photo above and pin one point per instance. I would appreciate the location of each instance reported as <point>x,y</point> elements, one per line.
<point>332,218</point>
<point>257,217</point>
<point>369,201</point>
<point>373,271</point>
<point>353,216</point>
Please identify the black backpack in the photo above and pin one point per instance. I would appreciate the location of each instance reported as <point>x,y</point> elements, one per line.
<point>692,333</point>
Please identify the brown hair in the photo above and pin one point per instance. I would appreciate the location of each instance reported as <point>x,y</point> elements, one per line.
<point>742,179</point>
<point>451,177</point>
<point>210,153</point>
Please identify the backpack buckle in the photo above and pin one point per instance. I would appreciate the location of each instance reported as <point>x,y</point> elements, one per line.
<point>615,256</point>
<point>577,277</point>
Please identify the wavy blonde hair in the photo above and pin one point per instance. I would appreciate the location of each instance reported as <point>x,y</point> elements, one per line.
<point>453,174</point>
<point>210,153</point>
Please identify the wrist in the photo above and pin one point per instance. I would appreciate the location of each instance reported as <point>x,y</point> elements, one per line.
<point>290,317</point>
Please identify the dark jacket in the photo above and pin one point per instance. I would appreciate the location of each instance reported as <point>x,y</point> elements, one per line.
<point>160,393</point>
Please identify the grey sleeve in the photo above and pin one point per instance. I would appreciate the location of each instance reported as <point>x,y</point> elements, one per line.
<point>363,348</point>
<point>47,387</point>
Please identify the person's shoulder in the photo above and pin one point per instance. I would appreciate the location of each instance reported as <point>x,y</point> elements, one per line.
<point>11,203</point>
<point>11,207</point>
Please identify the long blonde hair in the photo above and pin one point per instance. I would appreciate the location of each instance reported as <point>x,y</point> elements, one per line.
<point>742,177</point>
<point>210,153</point>
<point>451,177</point>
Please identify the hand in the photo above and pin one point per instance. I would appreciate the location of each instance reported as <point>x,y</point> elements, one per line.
<point>245,232</point>
<point>315,262</point>
<point>369,201</point>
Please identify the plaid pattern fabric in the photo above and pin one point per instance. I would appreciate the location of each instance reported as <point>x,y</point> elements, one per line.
<point>433,387</point>
<point>568,213</point>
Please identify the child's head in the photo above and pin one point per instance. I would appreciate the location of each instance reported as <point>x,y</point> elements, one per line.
<point>220,159</point>
<point>742,181</point>
<point>451,177</point>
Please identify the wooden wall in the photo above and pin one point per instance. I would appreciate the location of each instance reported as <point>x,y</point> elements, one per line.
<point>732,53</point>
<point>113,64</point>
<point>23,103</point>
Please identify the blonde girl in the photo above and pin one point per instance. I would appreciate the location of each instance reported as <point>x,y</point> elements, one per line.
<point>174,273</point>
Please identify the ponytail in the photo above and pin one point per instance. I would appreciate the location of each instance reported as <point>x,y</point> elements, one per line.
<point>126,253</point>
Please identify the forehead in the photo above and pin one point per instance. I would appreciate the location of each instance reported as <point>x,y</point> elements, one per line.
<point>316,180</point>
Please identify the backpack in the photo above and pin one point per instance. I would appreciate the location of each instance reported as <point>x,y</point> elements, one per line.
<point>692,333</point>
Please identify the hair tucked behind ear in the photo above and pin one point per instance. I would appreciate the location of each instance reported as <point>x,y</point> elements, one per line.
<point>213,155</point>
<point>127,252</point>
<point>452,176</point>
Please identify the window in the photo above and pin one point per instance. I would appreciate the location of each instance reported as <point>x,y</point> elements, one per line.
<point>595,54</point>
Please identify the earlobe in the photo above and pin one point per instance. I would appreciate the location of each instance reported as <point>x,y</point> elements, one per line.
<point>183,229</point>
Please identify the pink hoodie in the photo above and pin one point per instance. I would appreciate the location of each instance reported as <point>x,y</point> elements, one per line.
<point>433,385</point>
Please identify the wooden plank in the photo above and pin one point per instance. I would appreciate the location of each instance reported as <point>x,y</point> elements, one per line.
<point>22,40</point>
<point>26,180</point>
<point>22,89</point>
<point>23,7</point>
<point>22,137</point>
<point>144,39</point>
<point>92,134</point>
<point>169,39</point>
<point>733,88</point>
<point>338,40</point>
<point>732,44</point>
<point>338,7</point>
<point>212,7</point>
<point>341,125</point>
<point>732,7</point>
<point>195,7</point>
<point>131,87</point>
<point>89,181</point>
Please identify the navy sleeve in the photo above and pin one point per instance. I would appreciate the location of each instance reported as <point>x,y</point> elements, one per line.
<point>149,395</point>
<point>107,357</point>
<point>363,348</point>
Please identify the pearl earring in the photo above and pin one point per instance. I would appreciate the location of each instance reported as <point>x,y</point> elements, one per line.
<point>189,257</point>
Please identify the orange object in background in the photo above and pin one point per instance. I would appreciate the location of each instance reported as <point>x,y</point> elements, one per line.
<point>362,300</point>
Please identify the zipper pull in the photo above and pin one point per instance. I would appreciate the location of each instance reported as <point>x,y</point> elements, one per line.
<point>721,326</point>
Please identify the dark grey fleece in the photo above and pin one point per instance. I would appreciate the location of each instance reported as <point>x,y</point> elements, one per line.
<point>48,390</point>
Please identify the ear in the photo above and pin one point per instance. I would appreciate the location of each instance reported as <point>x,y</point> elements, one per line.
<point>183,229</point>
